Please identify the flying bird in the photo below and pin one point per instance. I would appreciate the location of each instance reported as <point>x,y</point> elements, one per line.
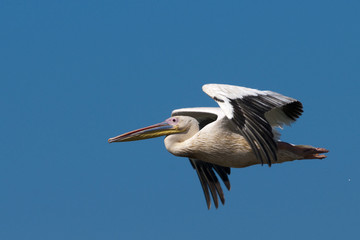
<point>241,132</point>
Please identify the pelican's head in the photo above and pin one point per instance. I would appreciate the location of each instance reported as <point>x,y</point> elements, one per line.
<point>173,125</point>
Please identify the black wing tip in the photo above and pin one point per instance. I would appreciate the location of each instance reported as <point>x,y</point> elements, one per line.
<point>293,110</point>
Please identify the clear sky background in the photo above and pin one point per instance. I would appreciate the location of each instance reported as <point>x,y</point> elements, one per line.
<point>74,73</point>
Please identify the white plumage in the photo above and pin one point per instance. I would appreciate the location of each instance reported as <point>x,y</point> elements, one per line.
<point>239,133</point>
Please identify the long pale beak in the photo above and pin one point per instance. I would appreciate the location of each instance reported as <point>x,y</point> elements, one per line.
<point>156,130</point>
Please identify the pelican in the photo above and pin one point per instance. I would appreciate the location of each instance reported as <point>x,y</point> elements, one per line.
<point>241,132</point>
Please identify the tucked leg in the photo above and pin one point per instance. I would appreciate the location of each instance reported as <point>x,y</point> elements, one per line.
<point>299,152</point>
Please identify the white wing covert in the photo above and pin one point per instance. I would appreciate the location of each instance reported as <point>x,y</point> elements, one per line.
<point>255,112</point>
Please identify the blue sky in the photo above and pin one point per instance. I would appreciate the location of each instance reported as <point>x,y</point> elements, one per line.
<point>74,73</point>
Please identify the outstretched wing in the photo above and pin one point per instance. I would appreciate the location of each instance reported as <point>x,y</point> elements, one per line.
<point>208,180</point>
<point>204,115</point>
<point>254,112</point>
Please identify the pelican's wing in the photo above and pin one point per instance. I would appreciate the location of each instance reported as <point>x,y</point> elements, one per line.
<point>208,180</point>
<point>204,115</point>
<point>255,112</point>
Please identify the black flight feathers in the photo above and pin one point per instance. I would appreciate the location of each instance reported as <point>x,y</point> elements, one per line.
<point>208,180</point>
<point>249,116</point>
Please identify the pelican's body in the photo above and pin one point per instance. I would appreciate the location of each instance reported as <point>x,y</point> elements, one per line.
<point>240,133</point>
<point>216,143</point>
<point>219,143</point>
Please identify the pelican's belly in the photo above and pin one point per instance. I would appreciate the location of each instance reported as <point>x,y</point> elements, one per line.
<point>224,149</point>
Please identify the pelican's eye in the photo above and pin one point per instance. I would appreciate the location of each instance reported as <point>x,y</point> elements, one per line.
<point>172,120</point>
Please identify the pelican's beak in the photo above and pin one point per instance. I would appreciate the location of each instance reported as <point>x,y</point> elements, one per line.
<point>156,130</point>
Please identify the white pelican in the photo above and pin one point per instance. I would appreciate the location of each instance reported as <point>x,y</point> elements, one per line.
<point>240,133</point>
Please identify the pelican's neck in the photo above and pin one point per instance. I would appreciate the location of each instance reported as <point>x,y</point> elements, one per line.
<point>178,144</point>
